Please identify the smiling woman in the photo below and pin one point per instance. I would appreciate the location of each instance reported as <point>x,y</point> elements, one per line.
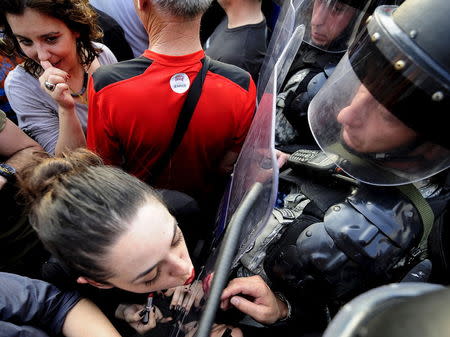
<point>48,91</point>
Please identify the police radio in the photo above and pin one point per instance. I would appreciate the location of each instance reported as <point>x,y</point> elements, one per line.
<point>312,159</point>
<point>317,163</point>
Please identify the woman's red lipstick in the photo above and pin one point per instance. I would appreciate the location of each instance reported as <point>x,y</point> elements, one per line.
<point>191,278</point>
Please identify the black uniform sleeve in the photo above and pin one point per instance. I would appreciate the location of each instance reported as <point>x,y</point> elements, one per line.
<point>33,303</point>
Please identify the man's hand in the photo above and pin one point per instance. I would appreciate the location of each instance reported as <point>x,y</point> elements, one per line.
<point>281,158</point>
<point>259,302</point>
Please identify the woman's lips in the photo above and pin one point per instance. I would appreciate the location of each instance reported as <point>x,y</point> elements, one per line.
<point>191,278</point>
<point>206,283</point>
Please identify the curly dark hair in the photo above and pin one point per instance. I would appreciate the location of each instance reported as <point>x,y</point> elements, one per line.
<point>78,15</point>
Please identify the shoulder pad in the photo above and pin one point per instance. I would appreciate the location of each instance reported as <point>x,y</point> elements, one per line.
<point>390,211</point>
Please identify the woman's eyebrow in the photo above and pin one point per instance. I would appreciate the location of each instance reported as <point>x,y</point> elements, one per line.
<point>175,230</point>
<point>145,272</point>
<point>18,36</point>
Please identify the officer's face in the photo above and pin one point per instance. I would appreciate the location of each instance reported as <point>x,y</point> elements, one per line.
<point>367,126</point>
<point>328,21</point>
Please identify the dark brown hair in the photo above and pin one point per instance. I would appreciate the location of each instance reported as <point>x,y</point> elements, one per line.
<point>80,207</point>
<point>78,15</point>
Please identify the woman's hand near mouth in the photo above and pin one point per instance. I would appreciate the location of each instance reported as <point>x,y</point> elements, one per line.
<point>71,135</point>
<point>58,77</point>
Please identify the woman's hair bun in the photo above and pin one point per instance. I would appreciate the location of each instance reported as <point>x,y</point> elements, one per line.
<point>44,173</point>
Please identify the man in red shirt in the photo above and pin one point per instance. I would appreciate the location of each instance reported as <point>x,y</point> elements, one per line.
<point>134,105</point>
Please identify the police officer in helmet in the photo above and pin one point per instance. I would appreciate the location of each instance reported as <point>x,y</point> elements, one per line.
<point>330,25</point>
<point>387,102</point>
<point>380,118</point>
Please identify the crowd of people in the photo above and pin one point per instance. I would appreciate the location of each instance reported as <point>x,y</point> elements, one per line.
<point>122,128</point>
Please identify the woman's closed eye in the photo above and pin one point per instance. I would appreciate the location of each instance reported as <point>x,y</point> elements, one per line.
<point>177,240</point>
<point>154,279</point>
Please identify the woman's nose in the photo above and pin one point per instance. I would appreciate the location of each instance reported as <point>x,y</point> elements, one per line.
<point>179,265</point>
<point>42,53</point>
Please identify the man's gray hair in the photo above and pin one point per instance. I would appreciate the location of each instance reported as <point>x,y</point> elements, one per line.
<point>184,8</point>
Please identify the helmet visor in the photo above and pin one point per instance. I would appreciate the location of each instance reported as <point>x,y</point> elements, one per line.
<point>330,24</point>
<point>371,143</point>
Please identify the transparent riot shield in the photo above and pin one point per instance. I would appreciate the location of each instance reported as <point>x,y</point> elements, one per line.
<point>245,210</point>
<point>257,162</point>
<point>330,26</point>
<point>283,32</point>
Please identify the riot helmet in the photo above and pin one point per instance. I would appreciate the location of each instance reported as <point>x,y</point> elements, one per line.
<point>405,309</point>
<point>329,26</point>
<point>383,109</point>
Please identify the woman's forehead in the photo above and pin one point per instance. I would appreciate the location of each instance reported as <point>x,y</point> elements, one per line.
<point>28,22</point>
<point>147,240</point>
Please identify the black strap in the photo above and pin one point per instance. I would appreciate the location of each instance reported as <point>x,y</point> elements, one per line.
<point>183,120</point>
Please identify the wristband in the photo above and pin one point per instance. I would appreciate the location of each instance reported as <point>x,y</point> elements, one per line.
<point>7,171</point>
<point>283,299</point>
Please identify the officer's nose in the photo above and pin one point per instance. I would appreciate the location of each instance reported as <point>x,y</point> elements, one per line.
<point>353,115</point>
<point>320,14</point>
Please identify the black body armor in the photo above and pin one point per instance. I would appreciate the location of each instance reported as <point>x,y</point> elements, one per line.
<point>308,73</point>
<point>350,239</point>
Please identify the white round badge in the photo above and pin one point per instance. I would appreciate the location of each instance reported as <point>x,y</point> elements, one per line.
<point>180,83</point>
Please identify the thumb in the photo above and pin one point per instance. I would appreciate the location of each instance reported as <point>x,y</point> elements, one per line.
<point>46,65</point>
<point>245,306</point>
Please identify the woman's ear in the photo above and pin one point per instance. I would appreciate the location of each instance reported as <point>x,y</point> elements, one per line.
<point>84,280</point>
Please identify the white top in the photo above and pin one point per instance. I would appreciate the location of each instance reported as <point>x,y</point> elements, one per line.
<point>37,112</point>
<point>124,13</point>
